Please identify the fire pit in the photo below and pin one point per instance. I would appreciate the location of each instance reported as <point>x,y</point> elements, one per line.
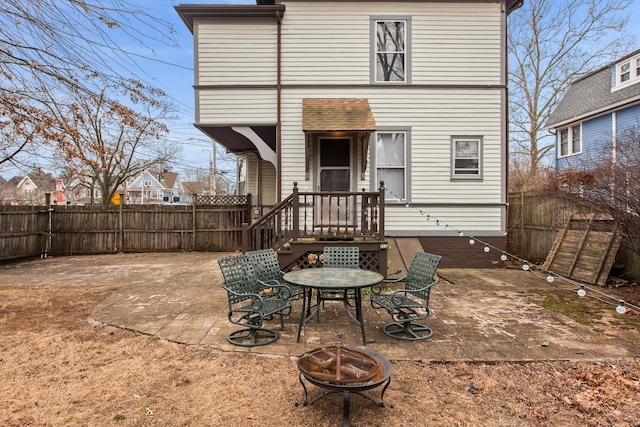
<point>346,370</point>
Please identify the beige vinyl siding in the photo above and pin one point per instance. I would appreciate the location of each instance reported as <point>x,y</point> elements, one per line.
<point>267,194</point>
<point>451,42</point>
<point>233,51</point>
<point>434,115</point>
<point>237,106</point>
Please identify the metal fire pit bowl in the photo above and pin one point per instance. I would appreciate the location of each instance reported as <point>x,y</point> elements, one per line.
<point>346,370</point>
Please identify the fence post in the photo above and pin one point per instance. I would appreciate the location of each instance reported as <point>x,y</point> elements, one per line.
<point>247,213</point>
<point>245,237</point>
<point>194,201</point>
<point>121,223</point>
<point>47,203</point>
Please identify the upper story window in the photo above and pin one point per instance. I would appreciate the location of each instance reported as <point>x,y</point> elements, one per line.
<point>570,141</point>
<point>628,72</point>
<point>466,159</point>
<point>391,163</point>
<point>391,53</point>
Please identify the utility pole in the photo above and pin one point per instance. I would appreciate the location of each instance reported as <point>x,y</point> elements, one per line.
<point>214,169</point>
<point>211,168</point>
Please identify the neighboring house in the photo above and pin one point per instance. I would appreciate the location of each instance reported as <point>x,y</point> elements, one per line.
<point>156,187</point>
<point>597,110</point>
<point>339,95</point>
<point>79,191</point>
<point>30,189</point>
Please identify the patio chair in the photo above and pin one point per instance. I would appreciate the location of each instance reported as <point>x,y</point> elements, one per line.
<point>410,304</point>
<point>251,302</point>
<point>267,268</point>
<point>339,257</point>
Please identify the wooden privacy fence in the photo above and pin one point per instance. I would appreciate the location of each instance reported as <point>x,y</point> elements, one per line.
<point>535,221</point>
<point>213,225</point>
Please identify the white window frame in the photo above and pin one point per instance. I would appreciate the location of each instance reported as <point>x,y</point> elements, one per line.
<point>457,172</point>
<point>632,71</point>
<point>391,196</point>
<point>407,49</point>
<point>146,183</point>
<point>570,132</point>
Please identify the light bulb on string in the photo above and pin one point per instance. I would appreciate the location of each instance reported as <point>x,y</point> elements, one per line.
<point>460,233</point>
<point>550,277</point>
<point>525,266</point>
<point>471,241</point>
<point>486,248</point>
<point>621,308</point>
<point>581,292</point>
<point>503,257</point>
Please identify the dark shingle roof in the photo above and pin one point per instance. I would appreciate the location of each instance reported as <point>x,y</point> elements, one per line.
<point>591,94</point>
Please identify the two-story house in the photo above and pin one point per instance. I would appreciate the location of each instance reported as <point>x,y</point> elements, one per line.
<point>31,189</point>
<point>156,187</point>
<point>340,95</point>
<point>596,111</point>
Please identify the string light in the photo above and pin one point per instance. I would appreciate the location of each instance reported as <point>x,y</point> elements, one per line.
<point>621,306</point>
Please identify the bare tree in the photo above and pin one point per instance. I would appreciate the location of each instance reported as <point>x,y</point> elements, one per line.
<point>551,43</point>
<point>69,48</point>
<point>107,142</point>
<point>610,183</point>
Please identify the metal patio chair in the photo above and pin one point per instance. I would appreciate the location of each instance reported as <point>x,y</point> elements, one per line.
<point>339,257</point>
<point>251,302</point>
<point>267,268</point>
<point>410,304</point>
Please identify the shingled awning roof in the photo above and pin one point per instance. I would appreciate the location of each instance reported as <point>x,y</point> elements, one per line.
<point>337,114</point>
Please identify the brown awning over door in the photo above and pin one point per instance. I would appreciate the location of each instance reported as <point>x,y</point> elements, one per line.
<point>337,115</point>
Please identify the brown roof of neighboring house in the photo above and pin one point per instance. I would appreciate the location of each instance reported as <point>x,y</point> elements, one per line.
<point>337,114</point>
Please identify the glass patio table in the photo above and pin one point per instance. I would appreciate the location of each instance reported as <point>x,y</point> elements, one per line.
<point>333,279</point>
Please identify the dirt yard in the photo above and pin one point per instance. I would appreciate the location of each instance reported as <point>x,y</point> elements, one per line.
<point>58,369</point>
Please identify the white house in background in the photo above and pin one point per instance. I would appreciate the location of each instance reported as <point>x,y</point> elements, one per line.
<point>31,189</point>
<point>339,95</point>
<point>156,187</point>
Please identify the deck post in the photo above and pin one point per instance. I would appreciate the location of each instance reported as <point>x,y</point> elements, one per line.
<point>296,213</point>
<point>381,214</point>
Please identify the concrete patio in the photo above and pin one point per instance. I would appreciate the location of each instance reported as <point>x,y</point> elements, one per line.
<point>477,315</point>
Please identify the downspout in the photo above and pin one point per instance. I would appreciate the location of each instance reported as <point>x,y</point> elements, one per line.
<point>279,111</point>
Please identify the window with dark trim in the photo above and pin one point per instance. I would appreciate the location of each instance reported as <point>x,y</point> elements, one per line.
<point>390,50</point>
<point>391,163</point>
<point>466,157</point>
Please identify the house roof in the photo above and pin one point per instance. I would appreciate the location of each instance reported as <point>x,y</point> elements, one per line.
<point>190,11</point>
<point>337,114</point>
<point>592,95</point>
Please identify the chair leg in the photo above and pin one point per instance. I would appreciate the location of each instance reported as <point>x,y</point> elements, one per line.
<point>407,331</point>
<point>252,337</point>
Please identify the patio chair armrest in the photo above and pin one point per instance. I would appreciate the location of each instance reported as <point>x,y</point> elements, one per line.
<point>280,290</point>
<point>257,301</point>
<point>377,289</point>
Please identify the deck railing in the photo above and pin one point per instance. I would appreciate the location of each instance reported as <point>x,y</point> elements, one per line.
<point>320,214</point>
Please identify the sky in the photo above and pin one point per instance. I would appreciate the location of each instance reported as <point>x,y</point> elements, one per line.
<point>171,69</point>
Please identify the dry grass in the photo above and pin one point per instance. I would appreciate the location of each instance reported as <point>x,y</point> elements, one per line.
<point>57,369</point>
